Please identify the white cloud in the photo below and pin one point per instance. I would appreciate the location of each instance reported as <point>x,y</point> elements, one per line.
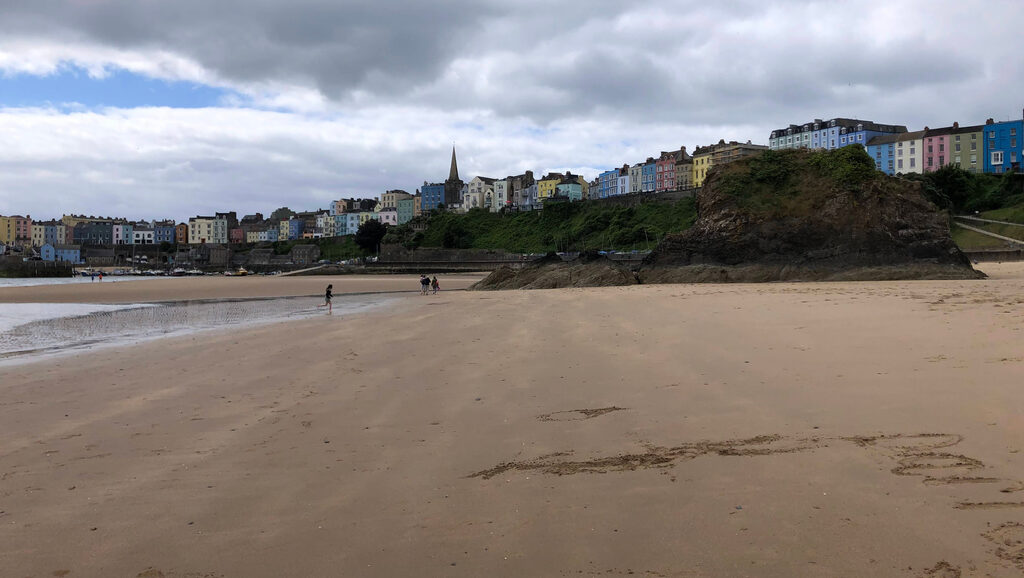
<point>328,99</point>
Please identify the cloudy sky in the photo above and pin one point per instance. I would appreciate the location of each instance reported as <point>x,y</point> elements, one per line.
<point>171,108</point>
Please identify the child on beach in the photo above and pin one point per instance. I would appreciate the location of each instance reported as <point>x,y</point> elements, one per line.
<point>434,285</point>
<point>327,299</point>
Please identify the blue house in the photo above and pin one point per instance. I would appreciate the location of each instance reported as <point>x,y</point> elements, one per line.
<point>649,181</point>
<point>1003,143</point>
<point>346,224</point>
<point>61,253</point>
<point>882,150</point>
<point>163,232</point>
<point>607,183</point>
<point>830,134</point>
<point>433,195</point>
<point>572,190</point>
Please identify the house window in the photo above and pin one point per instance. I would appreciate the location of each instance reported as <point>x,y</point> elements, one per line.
<point>1013,143</point>
<point>899,153</point>
<point>1013,132</point>
<point>1013,156</point>
<point>942,147</point>
<point>974,145</point>
<point>942,160</point>
<point>974,159</point>
<point>929,149</point>
<point>974,136</point>
<point>997,157</point>
<point>913,150</point>
<point>899,164</point>
<point>860,137</point>
<point>890,164</point>
<point>912,162</point>
<point>929,161</point>
<point>957,147</point>
<point>957,160</point>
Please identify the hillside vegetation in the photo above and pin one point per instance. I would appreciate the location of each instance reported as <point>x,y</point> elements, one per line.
<point>559,227</point>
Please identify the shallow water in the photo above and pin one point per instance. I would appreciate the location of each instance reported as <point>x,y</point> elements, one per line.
<point>77,280</point>
<point>130,323</point>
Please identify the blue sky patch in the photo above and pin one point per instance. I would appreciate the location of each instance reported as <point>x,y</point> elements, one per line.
<point>119,89</point>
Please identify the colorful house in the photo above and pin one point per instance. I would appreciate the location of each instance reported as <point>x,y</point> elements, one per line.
<point>937,148</point>
<point>546,186</point>
<point>570,189</point>
<point>830,134</point>
<point>1003,142</point>
<point>702,163</point>
<point>61,253</point>
<point>607,184</point>
<point>406,210</point>
<point>910,152</point>
<point>883,150</point>
<point>163,232</point>
<point>649,180</point>
<point>433,195</point>
<point>968,147</point>
<point>665,168</point>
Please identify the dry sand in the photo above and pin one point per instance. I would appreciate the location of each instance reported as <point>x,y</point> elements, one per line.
<point>818,429</point>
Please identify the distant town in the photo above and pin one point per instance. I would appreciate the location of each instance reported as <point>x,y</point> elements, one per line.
<point>992,147</point>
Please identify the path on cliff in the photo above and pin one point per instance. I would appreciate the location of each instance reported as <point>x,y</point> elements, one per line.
<point>984,232</point>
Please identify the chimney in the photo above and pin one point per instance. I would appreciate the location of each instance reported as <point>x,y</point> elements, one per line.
<point>956,124</point>
<point>989,121</point>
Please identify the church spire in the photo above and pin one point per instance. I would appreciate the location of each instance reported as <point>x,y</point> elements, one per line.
<point>453,174</point>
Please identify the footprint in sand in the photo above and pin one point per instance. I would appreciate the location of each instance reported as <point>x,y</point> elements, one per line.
<point>942,570</point>
<point>1009,542</point>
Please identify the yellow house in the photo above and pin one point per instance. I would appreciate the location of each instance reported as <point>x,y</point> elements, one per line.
<point>702,163</point>
<point>546,188</point>
<point>367,215</point>
<point>7,230</point>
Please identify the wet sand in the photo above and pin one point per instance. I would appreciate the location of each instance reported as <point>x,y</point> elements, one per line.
<point>839,429</point>
<point>110,290</point>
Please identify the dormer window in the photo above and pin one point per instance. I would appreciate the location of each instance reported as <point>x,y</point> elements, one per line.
<point>831,123</point>
<point>860,127</point>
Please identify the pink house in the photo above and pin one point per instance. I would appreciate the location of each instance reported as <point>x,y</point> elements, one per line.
<point>665,167</point>
<point>937,147</point>
<point>23,229</point>
<point>388,217</point>
<point>236,235</point>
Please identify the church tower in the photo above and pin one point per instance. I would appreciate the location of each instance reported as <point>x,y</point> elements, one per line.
<point>453,185</point>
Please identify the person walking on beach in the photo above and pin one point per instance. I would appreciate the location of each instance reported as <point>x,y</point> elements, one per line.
<point>434,285</point>
<point>327,299</point>
<point>424,284</point>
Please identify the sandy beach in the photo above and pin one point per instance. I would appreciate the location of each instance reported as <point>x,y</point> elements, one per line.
<point>809,429</point>
<point>112,290</point>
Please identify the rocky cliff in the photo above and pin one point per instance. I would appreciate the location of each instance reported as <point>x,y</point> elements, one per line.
<point>809,215</point>
<point>551,272</point>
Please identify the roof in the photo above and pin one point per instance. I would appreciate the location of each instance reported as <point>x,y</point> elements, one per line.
<point>884,139</point>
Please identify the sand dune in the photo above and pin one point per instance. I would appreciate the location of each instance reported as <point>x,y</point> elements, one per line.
<point>818,429</point>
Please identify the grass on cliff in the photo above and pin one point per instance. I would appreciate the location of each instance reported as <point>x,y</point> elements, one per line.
<point>792,181</point>
<point>559,227</point>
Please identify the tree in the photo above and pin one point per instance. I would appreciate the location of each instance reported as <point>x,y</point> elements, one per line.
<point>369,234</point>
<point>281,214</point>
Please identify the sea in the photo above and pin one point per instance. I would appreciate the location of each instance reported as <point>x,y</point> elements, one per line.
<point>32,330</point>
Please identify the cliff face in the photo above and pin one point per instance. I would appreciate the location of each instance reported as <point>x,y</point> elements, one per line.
<point>551,272</point>
<point>802,215</point>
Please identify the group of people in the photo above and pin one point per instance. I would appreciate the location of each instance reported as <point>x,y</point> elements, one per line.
<point>427,285</point>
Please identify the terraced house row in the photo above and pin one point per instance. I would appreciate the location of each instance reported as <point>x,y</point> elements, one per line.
<point>993,147</point>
